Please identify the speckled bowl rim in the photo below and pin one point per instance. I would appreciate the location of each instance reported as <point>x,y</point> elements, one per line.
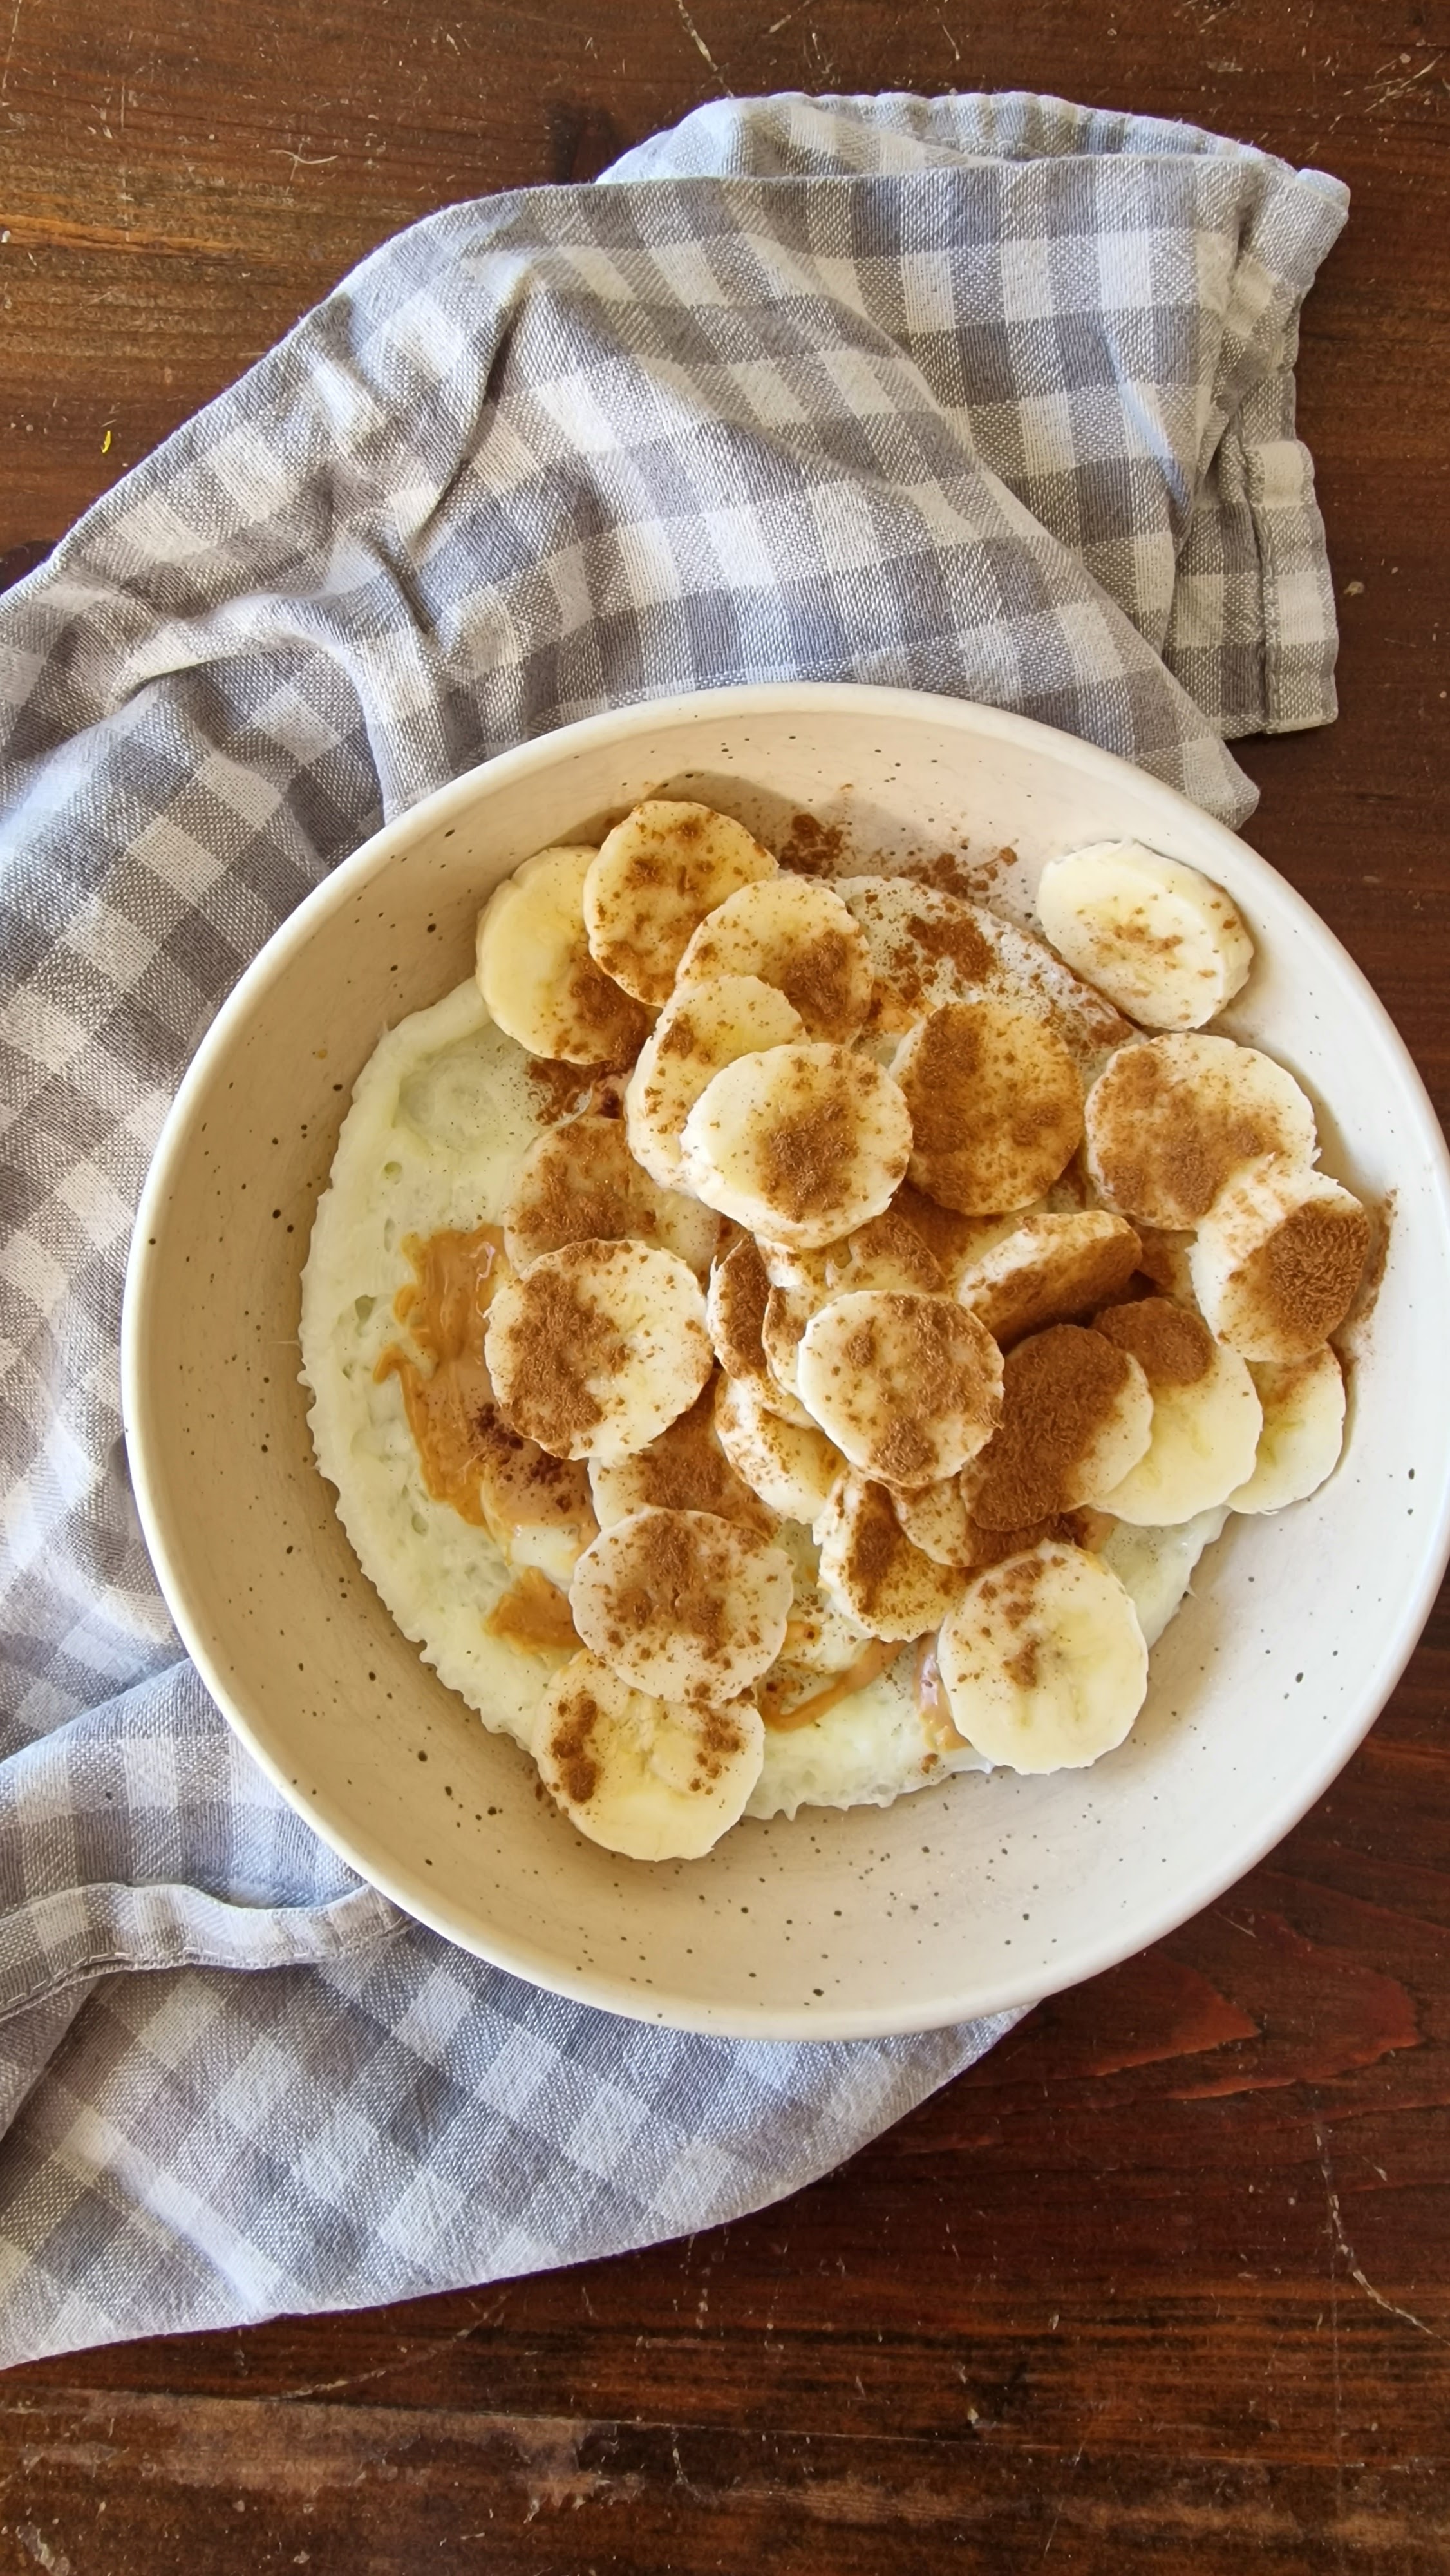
<point>503,1947</point>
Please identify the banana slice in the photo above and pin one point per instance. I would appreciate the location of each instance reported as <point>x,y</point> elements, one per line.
<point>594,1348</point>
<point>1278,1260</point>
<point>1303,1431</point>
<point>638,1777</point>
<point>796,934</point>
<point>799,1143</point>
<point>955,1242</point>
<point>1051,1268</point>
<point>683,1605</point>
<point>791,1467</point>
<point>1076,1414</point>
<point>928,947</point>
<point>995,1102</point>
<point>1171,1123</point>
<point>1206,1416</point>
<point>580,1182</point>
<point>535,972</point>
<point>735,1309</point>
<point>1161,941</point>
<point>684,1470</point>
<point>788,1310</point>
<point>1163,1258</point>
<point>1043,1660</point>
<point>654,879</point>
<point>890,1587</point>
<point>887,1252</point>
<point>697,1034</point>
<point>908,1387</point>
<point>1155,1566</point>
<point>936,1520</point>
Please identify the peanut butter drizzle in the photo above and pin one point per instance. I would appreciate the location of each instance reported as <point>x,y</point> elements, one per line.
<point>871,1661</point>
<point>534,1615</point>
<point>932,1705</point>
<point>451,1411</point>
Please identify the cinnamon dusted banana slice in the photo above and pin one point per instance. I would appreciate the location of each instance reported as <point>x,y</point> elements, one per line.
<point>1303,1431</point>
<point>799,1143</point>
<point>1171,1123</point>
<point>1043,1660</point>
<point>1164,1259</point>
<point>1278,1259</point>
<point>684,1470</point>
<point>535,971</point>
<point>1206,1416</point>
<point>788,1309</point>
<point>1076,1415</point>
<point>1051,1268</point>
<point>796,934</point>
<point>935,1519</point>
<point>995,1103</point>
<point>637,1776</point>
<point>683,1605</point>
<point>656,876</point>
<point>1162,941</point>
<point>698,1033</point>
<point>890,1587</point>
<point>955,1242</point>
<point>735,1308</point>
<point>908,1387</point>
<point>792,1468</point>
<point>580,1180</point>
<point>886,1252</point>
<point>928,947</point>
<point>594,1348</point>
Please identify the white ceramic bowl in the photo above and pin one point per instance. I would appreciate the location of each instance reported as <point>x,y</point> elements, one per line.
<point>986,1892</point>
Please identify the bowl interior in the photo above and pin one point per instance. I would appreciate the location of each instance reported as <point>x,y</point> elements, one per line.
<point>982,1893</point>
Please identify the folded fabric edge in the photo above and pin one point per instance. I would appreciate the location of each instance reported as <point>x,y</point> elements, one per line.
<point>77,1934</point>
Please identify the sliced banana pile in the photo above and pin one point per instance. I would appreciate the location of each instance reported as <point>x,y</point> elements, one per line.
<point>900,1278</point>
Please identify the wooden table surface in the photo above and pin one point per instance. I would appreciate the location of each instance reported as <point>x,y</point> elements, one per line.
<point>1168,2276</point>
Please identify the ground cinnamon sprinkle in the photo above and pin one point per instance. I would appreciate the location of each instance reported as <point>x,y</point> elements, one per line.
<point>806,1157</point>
<point>812,848</point>
<point>570,1745</point>
<point>580,1183</point>
<point>1172,1346</point>
<point>678,1036</point>
<point>821,980</point>
<point>686,1470</point>
<point>560,1088</point>
<point>1059,1388</point>
<point>609,1021</point>
<point>955,937</point>
<point>558,1342</point>
<point>673,1563</point>
<point>740,1287</point>
<point>876,1542</point>
<point>987,1084</point>
<point>1304,1277</point>
<point>1166,1150</point>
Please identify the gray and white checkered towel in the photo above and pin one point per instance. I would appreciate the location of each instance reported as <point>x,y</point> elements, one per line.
<point>992,396</point>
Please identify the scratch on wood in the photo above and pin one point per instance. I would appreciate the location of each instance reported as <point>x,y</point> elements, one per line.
<point>698,41</point>
<point>10,49</point>
<point>1345,2251</point>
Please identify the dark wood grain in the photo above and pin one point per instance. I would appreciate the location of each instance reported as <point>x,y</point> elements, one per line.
<point>1167,2279</point>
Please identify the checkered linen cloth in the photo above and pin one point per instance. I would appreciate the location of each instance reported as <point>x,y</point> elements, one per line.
<point>992,396</point>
